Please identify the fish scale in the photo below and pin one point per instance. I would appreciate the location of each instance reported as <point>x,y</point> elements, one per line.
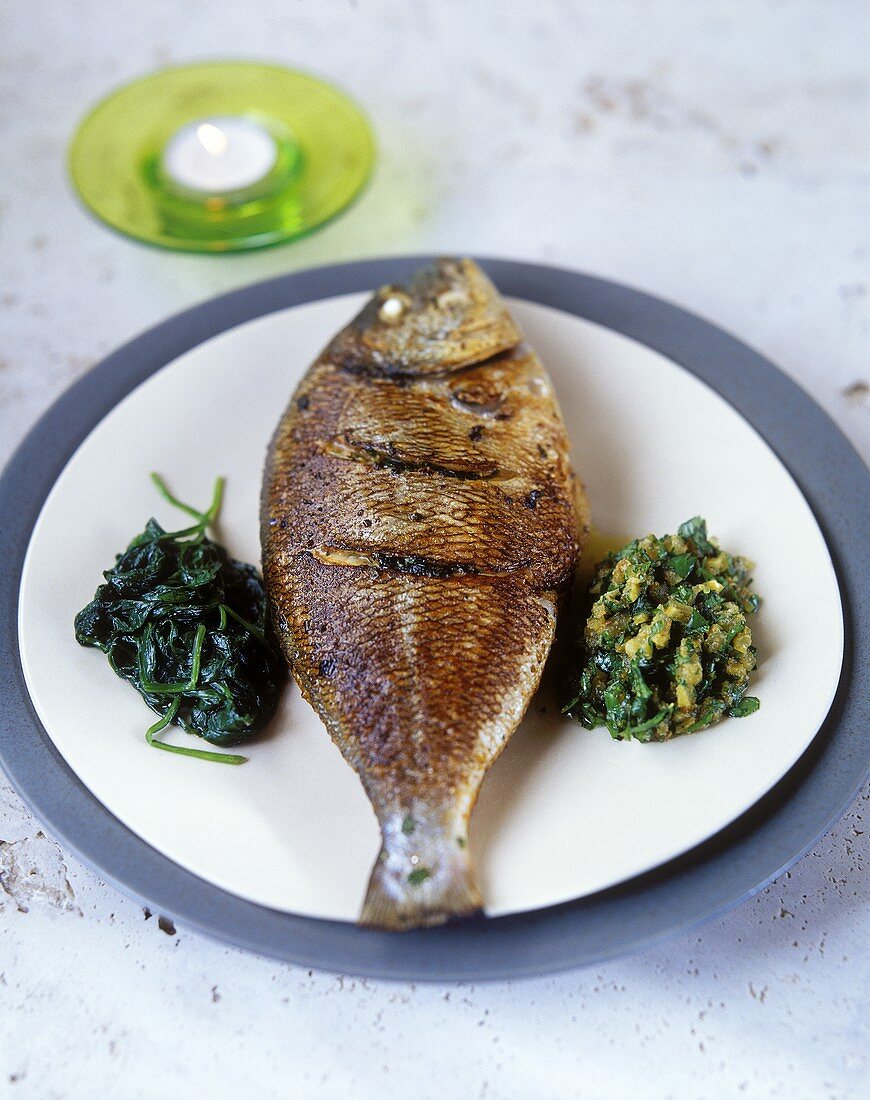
<point>420,525</point>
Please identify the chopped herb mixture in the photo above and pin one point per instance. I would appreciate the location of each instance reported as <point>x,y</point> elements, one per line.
<point>184,623</point>
<point>667,647</point>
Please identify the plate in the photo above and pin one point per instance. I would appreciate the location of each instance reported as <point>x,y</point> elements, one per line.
<point>655,444</point>
<point>566,816</point>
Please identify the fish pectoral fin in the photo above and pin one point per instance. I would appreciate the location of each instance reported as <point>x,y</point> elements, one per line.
<point>422,877</point>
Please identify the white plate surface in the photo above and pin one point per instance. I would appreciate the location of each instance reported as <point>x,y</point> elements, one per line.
<point>564,812</point>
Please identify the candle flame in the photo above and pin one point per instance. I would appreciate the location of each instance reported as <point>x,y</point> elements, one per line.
<point>212,138</point>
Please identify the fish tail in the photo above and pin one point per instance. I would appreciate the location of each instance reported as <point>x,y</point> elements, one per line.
<point>422,877</point>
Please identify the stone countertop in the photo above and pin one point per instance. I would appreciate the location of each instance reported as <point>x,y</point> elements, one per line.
<point>714,154</point>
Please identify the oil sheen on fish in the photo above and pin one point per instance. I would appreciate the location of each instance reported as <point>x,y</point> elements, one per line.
<point>420,523</point>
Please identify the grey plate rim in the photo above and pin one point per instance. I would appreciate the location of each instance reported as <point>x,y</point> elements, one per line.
<point>705,882</point>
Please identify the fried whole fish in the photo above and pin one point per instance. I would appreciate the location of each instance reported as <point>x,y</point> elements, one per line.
<point>420,523</point>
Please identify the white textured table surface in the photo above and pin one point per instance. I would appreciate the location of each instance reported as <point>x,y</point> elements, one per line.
<point>715,154</point>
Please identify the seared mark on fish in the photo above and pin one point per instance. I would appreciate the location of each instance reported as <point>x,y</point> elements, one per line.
<point>386,455</point>
<point>415,565</point>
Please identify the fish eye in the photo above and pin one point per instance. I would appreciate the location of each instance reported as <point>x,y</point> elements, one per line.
<point>392,309</point>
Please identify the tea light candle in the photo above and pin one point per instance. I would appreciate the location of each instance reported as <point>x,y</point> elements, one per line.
<point>217,155</point>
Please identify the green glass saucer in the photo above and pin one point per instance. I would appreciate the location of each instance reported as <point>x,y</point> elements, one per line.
<point>323,156</point>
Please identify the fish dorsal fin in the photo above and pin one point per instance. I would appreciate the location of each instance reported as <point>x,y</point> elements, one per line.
<point>448,317</point>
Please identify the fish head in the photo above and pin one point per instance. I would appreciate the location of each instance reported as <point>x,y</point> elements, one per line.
<point>449,316</point>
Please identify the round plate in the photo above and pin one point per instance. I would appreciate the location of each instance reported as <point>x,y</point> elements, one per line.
<point>533,841</point>
<point>730,866</point>
<point>324,143</point>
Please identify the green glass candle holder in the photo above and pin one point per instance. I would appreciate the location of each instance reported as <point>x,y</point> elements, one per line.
<point>221,156</point>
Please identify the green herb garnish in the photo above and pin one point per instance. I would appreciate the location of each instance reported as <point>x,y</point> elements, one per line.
<point>666,648</point>
<point>418,875</point>
<point>184,623</point>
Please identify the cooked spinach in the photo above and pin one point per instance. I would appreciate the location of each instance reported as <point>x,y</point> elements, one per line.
<point>184,623</point>
<point>666,648</point>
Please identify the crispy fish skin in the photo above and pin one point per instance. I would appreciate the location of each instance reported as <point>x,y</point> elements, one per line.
<point>420,523</point>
